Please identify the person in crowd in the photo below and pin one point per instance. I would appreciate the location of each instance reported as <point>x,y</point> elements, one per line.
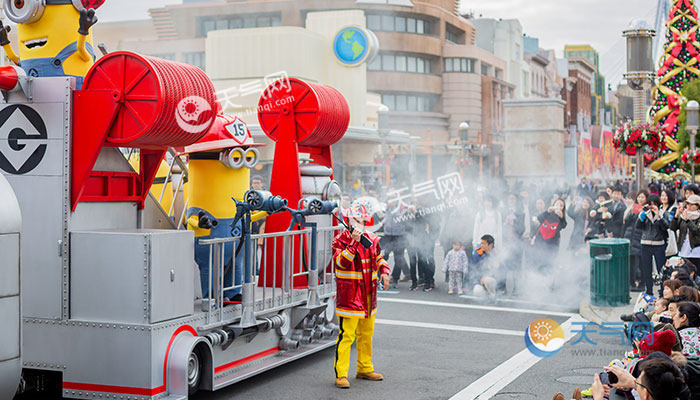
<point>513,228</point>
<point>425,232</point>
<point>615,226</point>
<point>634,235</point>
<point>540,207</point>
<point>601,215</point>
<point>654,234</point>
<point>671,287</point>
<point>456,264</point>
<point>668,202</point>
<point>482,268</point>
<point>579,212</point>
<point>585,189</point>
<point>690,190</point>
<point>686,320</point>
<point>653,189</point>
<point>660,307</point>
<point>659,379</point>
<point>394,239</point>
<point>687,223</point>
<point>488,221</point>
<point>690,293</point>
<point>552,222</point>
<point>356,300</point>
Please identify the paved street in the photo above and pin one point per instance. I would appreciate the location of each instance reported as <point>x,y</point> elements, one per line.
<point>436,346</point>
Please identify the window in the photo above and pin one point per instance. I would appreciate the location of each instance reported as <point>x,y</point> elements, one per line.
<point>485,69</point>
<point>196,58</point>
<point>387,23</point>
<point>238,21</point>
<point>207,26</point>
<point>401,63</point>
<point>391,23</point>
<point>448,64</point>
<point>416,102</point>
<point>388,62</point>
<point>517,51</point>
<point>412,64</point>
<point>400,24</point>
<point>411,25</point>
<point>454,34</point>
<point>460,65</point>
<point>374,22</point>
<point>376,64</point>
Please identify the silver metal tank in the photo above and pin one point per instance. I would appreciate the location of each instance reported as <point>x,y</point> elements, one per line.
<point>10,334</point>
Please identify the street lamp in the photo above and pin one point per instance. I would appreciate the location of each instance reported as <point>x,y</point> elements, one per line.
<point>464,131</point>
<point>640,72</point>
<point>691,112</point>
<point>383,131</point>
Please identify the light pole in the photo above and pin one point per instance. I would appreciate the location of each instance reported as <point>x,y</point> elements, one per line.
<point>383,130</point>
<point>640,72</point>
<point>691,112</point>
<point>464,136</point>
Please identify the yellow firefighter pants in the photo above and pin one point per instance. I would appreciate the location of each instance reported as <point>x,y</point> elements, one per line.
<point>363,329</point>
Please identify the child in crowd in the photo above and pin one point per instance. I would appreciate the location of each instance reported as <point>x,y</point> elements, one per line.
<point>483,268</point>
<point>456,266</point>
<point>660,307</point>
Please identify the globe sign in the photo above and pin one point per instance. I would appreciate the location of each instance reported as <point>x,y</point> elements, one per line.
<point>351,46</point>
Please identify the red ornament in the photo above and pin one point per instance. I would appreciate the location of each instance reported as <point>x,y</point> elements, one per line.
<point>95,4</point>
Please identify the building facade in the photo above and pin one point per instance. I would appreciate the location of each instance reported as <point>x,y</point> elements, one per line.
<point>429,72</point>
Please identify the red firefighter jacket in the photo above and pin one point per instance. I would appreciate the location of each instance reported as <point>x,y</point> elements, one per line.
<point>357,270</point>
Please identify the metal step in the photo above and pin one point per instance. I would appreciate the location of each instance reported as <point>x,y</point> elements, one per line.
<point>261,365</point>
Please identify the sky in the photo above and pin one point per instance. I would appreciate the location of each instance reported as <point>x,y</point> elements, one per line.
<point>555,22</point>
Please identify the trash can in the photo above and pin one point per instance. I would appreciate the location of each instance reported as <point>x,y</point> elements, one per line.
<point>610,272</point>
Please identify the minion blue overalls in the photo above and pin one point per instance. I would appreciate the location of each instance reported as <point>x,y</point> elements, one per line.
<point>201,253</point>
<point>43,67</point>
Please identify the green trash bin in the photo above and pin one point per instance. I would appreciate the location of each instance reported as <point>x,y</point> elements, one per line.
<point>610,272</point>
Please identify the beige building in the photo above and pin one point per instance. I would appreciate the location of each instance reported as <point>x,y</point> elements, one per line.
<point>428,72</point>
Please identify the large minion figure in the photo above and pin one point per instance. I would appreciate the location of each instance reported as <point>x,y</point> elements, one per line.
<point>219,170</point>
<point>54,36</point>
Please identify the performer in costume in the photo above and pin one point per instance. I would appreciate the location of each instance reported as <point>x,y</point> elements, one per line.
<point>54,36</point>
<point>357,272</point>
<point>219,170</point>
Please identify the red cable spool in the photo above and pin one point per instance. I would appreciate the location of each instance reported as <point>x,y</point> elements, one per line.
<point>149,91</point>
<point>321,113</point>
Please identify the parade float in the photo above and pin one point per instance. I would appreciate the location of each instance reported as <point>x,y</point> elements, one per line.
<point>112,304</point>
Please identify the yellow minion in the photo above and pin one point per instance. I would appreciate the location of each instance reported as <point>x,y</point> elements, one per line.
<point>54,36</point>
<point>219,170</point>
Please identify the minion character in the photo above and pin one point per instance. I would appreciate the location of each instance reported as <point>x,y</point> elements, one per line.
<point>219,170</point>
<point>54,36</point>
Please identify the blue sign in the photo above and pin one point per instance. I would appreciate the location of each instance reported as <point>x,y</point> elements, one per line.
<point>351,46</point>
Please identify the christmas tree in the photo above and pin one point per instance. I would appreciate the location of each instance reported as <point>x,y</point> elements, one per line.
<point>678,65</point>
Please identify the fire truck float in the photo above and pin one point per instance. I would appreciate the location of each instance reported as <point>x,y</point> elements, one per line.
<point>109,289</point>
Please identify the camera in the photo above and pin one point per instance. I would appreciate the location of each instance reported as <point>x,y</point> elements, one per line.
<point>645,208</point>
<point>608,378</point>
<point>665,319</point>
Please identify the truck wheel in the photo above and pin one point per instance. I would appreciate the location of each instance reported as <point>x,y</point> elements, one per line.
<point>195,366</point>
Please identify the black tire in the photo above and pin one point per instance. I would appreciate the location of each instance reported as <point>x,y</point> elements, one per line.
<point>195,368</point>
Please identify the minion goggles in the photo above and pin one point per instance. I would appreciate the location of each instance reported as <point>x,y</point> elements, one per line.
<point>235,158</point>
<point>28,11</point>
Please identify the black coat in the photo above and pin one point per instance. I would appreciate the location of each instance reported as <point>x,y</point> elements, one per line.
<point>684,227</point>
<point>633,233</point>
<point>653,231</point>
<point>615,224</point>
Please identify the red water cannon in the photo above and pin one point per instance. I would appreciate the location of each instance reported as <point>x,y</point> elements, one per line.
<point>134,101</point>
<point>300,117</point>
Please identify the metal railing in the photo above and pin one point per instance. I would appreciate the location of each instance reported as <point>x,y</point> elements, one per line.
<point>259,298</point>
<point>176,166</point>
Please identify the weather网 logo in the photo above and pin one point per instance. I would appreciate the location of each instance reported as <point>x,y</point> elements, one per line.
<point>544,337</point>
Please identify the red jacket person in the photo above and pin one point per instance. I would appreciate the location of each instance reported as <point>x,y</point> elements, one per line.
<point>357,270</point>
